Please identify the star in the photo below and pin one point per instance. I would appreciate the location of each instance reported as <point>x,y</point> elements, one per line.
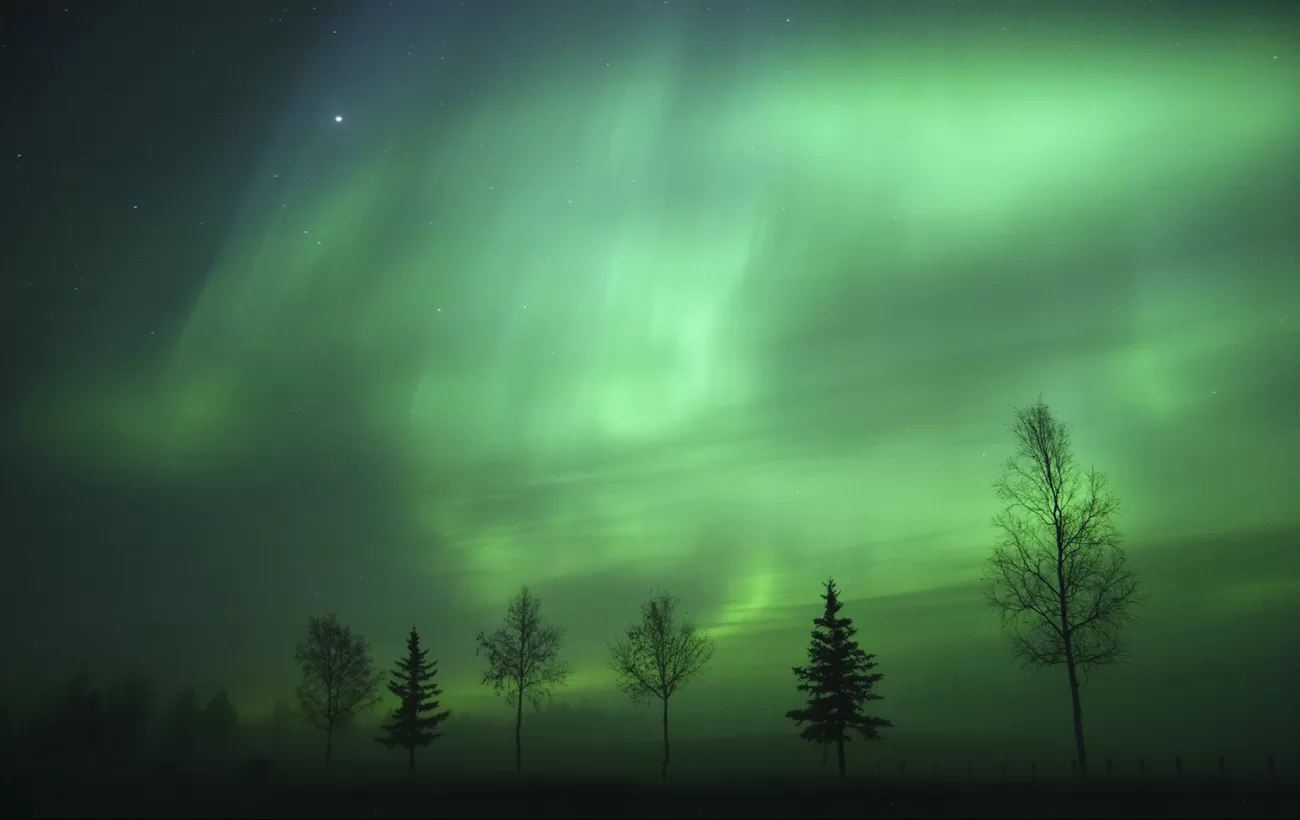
<point>338,118</point>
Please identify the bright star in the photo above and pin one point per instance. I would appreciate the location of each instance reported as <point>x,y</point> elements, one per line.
<point>338,118</point>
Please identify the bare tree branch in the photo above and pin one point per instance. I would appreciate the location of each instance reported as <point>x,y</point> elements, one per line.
<point>523,658</point>
<point>523,654</point>
<point>1057,573</point>
<point>659,654</point>
<point>339,678</point>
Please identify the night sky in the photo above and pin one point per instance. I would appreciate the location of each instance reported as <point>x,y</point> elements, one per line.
<point>389,308</point>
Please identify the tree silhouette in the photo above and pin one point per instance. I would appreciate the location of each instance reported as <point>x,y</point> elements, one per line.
<point>91,727</point>
<point>523,659</point>
<point>839,682</point>
<point>1058,576</point>
<point>283,718</point>
<point>182,722</point>
<point>61,725</point>
<point>220,719</point>
<point>412,682</point>
<point>130,704</point>
<point>658,656</point>
<point>338,676</point>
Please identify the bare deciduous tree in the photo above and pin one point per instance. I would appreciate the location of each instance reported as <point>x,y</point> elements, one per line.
<point>1059,579</point>
<point>658,656</point>
<point>523,659</point>
<point>338,676</point>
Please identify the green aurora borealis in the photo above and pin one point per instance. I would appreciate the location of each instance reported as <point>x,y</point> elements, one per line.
<point>667,296</point>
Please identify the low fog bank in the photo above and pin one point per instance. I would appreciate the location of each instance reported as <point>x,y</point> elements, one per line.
<point>566,740</point>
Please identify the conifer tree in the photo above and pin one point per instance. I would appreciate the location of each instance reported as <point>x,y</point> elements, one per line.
<point>839,682</point>
<point>220,720</point>
<point>414,723</point>
<point>129,707</point>
<point>182,722</point>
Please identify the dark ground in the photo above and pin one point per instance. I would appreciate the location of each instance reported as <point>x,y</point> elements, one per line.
<point>117,797</point>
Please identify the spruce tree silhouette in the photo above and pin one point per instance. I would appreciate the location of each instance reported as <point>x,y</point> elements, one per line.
<point>129,707</point>
<point>839,682</point>
<point>414,723</point>
<point>64,725</point>
<point>182,723</point>
<point>220,721</point>
<point>92,727</point>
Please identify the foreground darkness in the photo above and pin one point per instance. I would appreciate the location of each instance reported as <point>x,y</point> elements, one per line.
<point>267,774</point>
<point>768,797</point>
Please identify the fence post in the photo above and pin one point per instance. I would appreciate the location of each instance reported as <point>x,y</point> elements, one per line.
<point>1142,768</point>
<point>1002,770</point>
<point>1223,769</point>
<point>1033,772</point>
<point>1272,769</point>
<point>935,775</point>
<point>902,770</point>
<point>1178,767</point>
<point>970,772</point>
<point>1074,767</point>
<point>1108,767</point>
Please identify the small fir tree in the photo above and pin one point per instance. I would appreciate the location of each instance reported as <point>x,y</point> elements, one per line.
<point>220,720</point>
<point>839,683</point>
<point>415,721</point>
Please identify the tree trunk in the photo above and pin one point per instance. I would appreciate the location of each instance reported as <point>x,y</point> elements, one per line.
<point>329,745</point>
<point>1064,602</point>
<point>519,722</point>
<point>1078,714</point>
<point>410,762</point>
<point>841,754</point>
<point>663,774</point>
